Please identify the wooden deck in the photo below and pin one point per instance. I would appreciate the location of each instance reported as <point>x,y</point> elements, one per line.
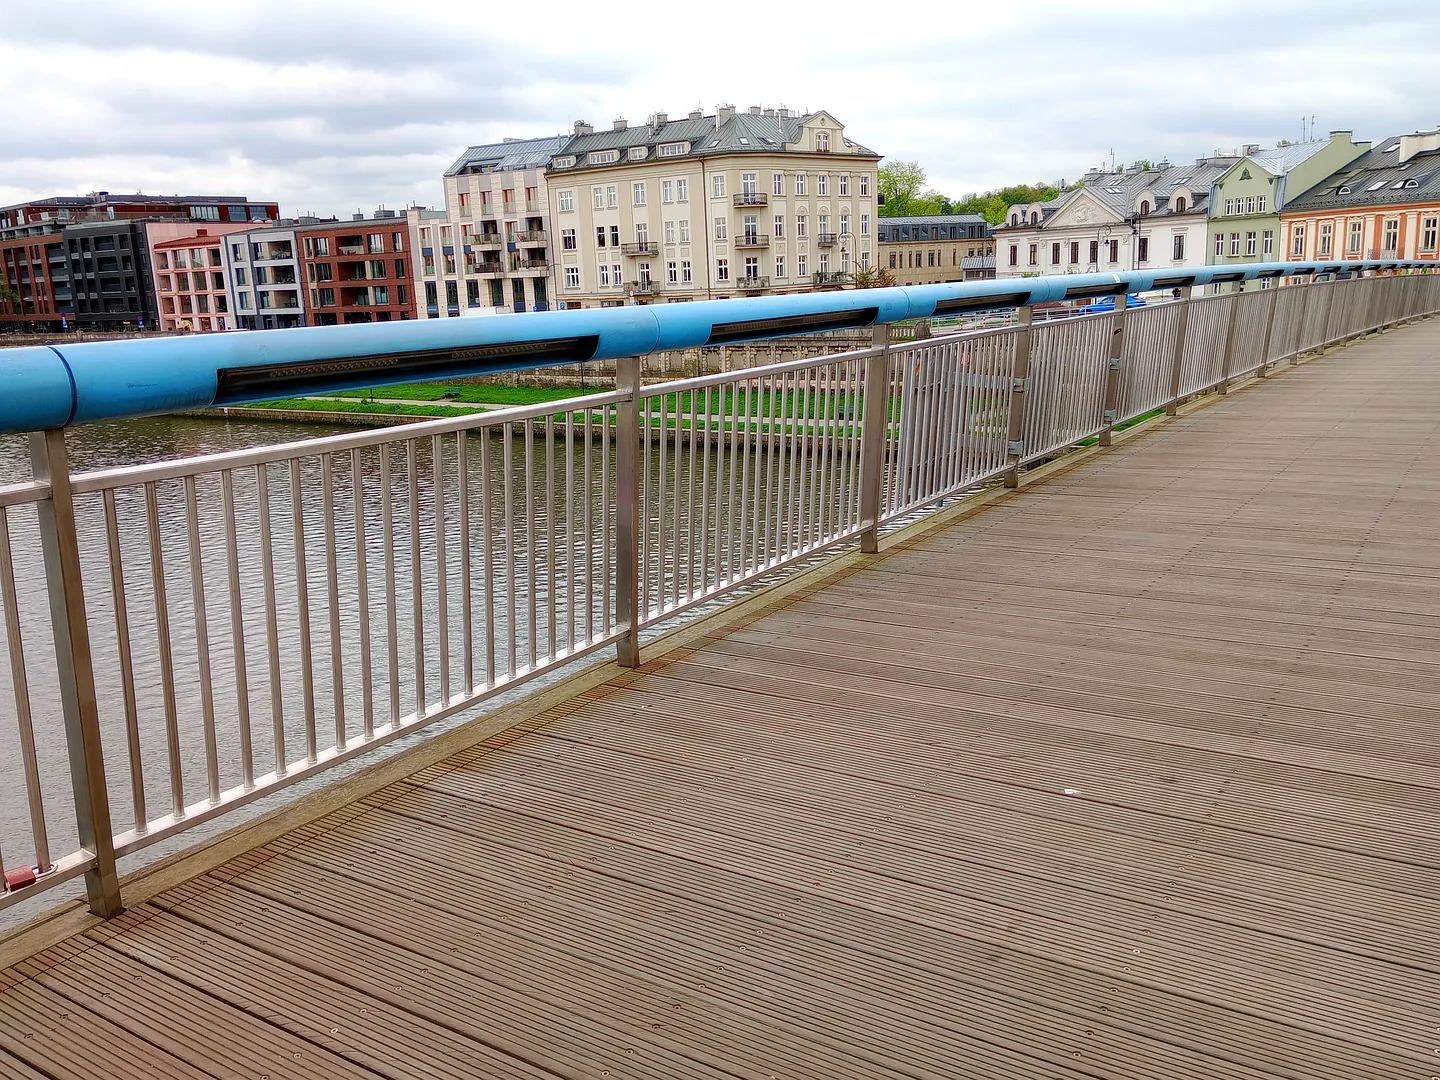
<point>1133,775</point>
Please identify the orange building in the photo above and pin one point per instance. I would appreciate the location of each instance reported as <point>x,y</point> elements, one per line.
<point>1383,205</point>
<point>190,285</point>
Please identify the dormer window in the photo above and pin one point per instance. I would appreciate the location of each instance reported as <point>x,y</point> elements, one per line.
<point>1343,189</point>
<point>822,141</point>
<point>604,157</point>
<point>674,149</point>
<point>1035,217</point>
<point>1180,204</point>
<point>1144,206</point>
<point>637,153</point>
<point>564,162</point>
<point>1014,219</point>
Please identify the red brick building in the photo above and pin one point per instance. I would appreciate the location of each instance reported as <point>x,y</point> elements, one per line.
<point>356,271</point>
<point>84,260</point>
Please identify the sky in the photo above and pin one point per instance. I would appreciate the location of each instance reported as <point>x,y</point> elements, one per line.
<point>334,108</point>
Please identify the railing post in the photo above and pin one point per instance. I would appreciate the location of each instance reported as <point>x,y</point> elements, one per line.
<point>1264,367</point>
<point>1227,364</point>
<point>60,550</point>
<point>1112,376</point>
<point>1178,364</point>
<point>873,436</point>
<point>1015,436</point>
<point>627,511</point>
<point>1300,318</point>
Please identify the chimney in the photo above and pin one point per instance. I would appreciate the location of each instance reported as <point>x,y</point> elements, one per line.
<point>697,114</point>
<point>661,119</point>
<point>357,217</point>
<point>621,123</point>
<point>723,113</point>
<point>1251,148</point>
<point>1340,136</point>
<point>582,128</point>
<point>769,112</point>
<point>755,110</point>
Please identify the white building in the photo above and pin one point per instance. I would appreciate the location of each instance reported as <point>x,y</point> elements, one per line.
<point>1144,219</point>
<point>262,278</point>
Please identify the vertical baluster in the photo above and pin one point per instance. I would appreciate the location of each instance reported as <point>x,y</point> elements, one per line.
<point>20,685</point>
<point>302,595</point>
<point>272,619</point>
<point>675,506</point>
<point>467,606</point>
<point>332,590</point>
<point>511,601</point>
<point>697,446</point>
<point>237,630</point>
<point>570,529</point>
<point>442,567</point>
<point>392,601</point>
<point>127,665</point>
<point>202,641</point>
<point>362,591</point>
<point>705,424</point>
<point>167,664</point>
<point>417,575</point>
<point>610,427</point>
<point>627,510</point>
<point>552,607</point>
<point>487,549</point>
<point>532,590</point>
<point>586,534</point>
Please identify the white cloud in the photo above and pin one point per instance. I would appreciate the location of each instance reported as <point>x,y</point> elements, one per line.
<point>332,107</point>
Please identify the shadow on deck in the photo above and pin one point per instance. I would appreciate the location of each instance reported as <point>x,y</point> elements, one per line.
<point>1130,775</point>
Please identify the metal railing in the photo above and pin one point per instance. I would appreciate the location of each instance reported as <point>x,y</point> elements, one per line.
<point>752,240</point>
<point>186,637</point>
<point>640,247</point>
<point>751,198</point>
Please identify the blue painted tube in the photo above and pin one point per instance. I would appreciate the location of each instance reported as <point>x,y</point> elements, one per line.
<point>47,387</point>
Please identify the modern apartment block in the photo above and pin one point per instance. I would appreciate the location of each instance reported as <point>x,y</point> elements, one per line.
<point>357,271</point>
<point>704,207</point>
<point>84,261</point>
<point>1383,205</point>
<point>1249,196</point>
<point>191,289</point>
<point>262,276</point>
<point>1141,219</point>
<point>491,248</point>
<point>936,248</point>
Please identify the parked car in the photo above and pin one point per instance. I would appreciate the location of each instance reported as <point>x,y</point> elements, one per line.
<point>1098,306</point>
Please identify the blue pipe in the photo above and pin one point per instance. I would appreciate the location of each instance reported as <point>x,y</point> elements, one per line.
<point>56,386</point>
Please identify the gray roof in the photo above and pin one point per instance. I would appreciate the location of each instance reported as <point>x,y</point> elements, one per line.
<point>935,219</point>
<point>1119,192</point>
<point>1279,160</point>
<point>742,133</point>
<point>1377,178</point>
<point>509,156</point>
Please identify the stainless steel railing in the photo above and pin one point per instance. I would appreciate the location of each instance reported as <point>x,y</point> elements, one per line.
<point>224,626</point>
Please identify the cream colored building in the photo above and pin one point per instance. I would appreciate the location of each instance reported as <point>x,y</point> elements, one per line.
<point>704,207</point>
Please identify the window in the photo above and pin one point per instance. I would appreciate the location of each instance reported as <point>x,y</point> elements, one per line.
<point>1074,251</point>
<point>1177,252</point>
<point>1250,204</point>
<point>844,224</point>
<point>237,250</point>
<point>262,277</point>
<point>327,297</point>
<point>892,260</point>
<point>824,224</point>
<point>1144,206</point>
<point>598,193</point>
<point>682,190</point>
<point>244,300</point>
<point>567,239</point>
<point>644,273</point>
<point>604,157</point>
<point>844,185</point>
<point>1180,204</point>
<point>1357,237</point>
<point>1268,242</point>
<point>599,236</point>
<point>1229,206</point>
<point>800,183</point>
<point>1327,238</point>
<point>779,226</point>
<point>1094,252</point>
<point>1249,243</point>
<point>687,273</point>
<point>567,201</point>
<point>864,224</point>
<point>1297,242</point>
<point>604,275</point>
<point>240,278</point>
<point>377,267</point>
<point>752,268</point>
<point>720,224</point>
<point>376,241</point>
<point>1260,204</point>
<point>1014,254</point>
<point>1219,245</point>
<point>684,230</point>
<point>779,266</point>
<point>1034,254</point>
<point>722,269</point>
<point>1114,251</point>
<point>1055,253</point>
<point>614,236</point>
<point>612,197</point>
<point>822,184</point>
<point>642,232</point>
<point>802,226</point>
<point>1392,235</point>
<point>667,191</point>
<point>672,273</point>
<point>822,141</point>
<point>674,149</point>
<point>399,268</point>
<point>1142,249</point>
<point>1234,243</point>
<point>637,193</point>
<point>801,265</point>
<point>749,183</point>
<point>777,183</point>
<point>1429,227</point>
<point>717,185</point>
<point>669,232</point>
<point>205,213</point>
<point>615,274</point>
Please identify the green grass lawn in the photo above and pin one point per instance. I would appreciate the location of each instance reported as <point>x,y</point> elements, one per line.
<point>480,393</point>
<point>370,407</point>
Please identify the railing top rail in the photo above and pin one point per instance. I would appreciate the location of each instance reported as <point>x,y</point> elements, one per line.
<point>127,475</point>
<point>65,384</point>
<point>699,382</point>
<point>30,491</point>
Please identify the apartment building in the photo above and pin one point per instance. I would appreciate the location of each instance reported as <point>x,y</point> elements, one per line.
<point>735,203</point>
<point>1248,197</point>
<point>935,248</point>
<point>85,260</point>
<point>262,277</point>
<point>491,247</point>
<point>1141,219</point>
<point>187,262</point>
<point>356,271</point>
<point>1383,205</point>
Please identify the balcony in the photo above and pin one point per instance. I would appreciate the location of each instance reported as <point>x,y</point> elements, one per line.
<point>822,278</point>
<point>531,266</point>
<point>826,239</point>
<point>648,287</point>
<point>753,240</point>
<point>487,240</point>
<point>755,283</point>
<point>643,247</point>
<point>530,236</point>
<point>510,208</point>
<point>1383,253</point>
<point>491,270</point>
<point>351,249</point>
<point>751,198</point>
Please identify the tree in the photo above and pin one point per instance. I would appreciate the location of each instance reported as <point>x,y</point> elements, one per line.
<point>1141,165</point>
<point>899,184</point>
<point>876,277</point>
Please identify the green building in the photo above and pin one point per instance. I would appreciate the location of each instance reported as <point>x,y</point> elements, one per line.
<point>1246,200</point>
